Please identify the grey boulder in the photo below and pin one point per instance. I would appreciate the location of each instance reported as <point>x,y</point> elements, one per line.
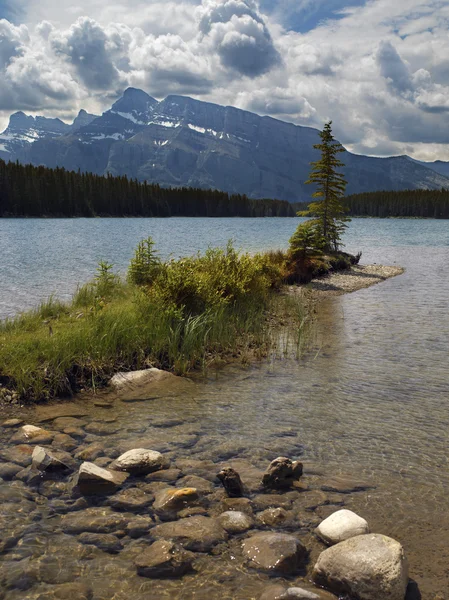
<point>164,559</point>
<point>368,567</point>
<point>276,553</point>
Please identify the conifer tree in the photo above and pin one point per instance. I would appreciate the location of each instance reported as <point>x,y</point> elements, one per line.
<point>328,212</point>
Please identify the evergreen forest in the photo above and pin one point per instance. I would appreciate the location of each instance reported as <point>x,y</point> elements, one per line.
<point>29,191</point>
<point>431,204</point>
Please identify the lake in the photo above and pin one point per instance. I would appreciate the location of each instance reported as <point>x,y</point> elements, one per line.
<point>369,402</point>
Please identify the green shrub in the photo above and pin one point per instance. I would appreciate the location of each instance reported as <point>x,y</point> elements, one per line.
<point>145,263</point>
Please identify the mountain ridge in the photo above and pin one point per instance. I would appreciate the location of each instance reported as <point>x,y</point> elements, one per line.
<point>180,141</point>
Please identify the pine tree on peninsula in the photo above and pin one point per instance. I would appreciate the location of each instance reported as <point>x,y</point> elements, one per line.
<point>328,212</point>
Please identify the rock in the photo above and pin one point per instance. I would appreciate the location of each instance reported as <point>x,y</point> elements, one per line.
<point>122,381</point>
<point>191,511</point>
<point>64,442</point>
<point>48,462</point>
<point>90,452</point>
<point>64,591</point>
<point>273,517</point>
<point>198,533</point>
<point>131,499</point>
<point>75,432</point>
<point>12,423</point>
<point>281,473</point>
<point>345,485</point>
<point>164,559</point>
<point>93,520</point>
<point>231,482</point>
<point>140,461</point>
<point>167,475</point>
<point>264,501</point>
<point>273,592</point>
<point>50,413</point>
<point>234,521</point>
<point>340,526</point>
<point>29,434</point>
<point>95,480</point>
<point>170,501</point>
<point>241,504</point>
<point>104,541</point>
<point>64,422</point>
<point>279,592</point>
<point>8,470</point>
<point>199,483</point>
<point>20,454</point>
<point>101,428</point>
<point>276,553</point>
<point>139,527</point>
<point>370,567</point>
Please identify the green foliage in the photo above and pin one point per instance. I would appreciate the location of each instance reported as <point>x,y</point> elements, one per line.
<point>306,240</point>
<point>328,210</point>
<point>145,263</point>
<point>194,311</point>
<point>219,278</point>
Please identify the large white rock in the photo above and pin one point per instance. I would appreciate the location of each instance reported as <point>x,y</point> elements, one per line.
<point>140,461</point>
<point>134,378</point>
<point>369,567</point>
<point>341,526</point>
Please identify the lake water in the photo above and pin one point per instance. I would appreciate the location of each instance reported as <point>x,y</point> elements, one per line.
<point>370,402</point>
<point>39,257</point>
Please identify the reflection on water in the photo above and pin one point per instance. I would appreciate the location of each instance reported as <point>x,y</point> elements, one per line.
<point>369,402</point>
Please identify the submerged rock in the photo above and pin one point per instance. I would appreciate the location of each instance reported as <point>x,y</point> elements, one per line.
<point>12,423</point>
<point>234,521</point>
<point>170,501</point>
<point>369,567</point>
<point>140,461</point>
<point>282,473</point>
<point>95,480</point>
<point>198,533</point>
<point>103,541</point>
<point>93,520</point>
<point>164,559</point>
<point>30,434</point>
<point>341,526</point>
<point>132,499</point>
<point>231,482</point>
<point>276,553</point>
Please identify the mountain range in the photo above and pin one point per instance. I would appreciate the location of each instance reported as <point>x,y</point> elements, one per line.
<point>181,141</point>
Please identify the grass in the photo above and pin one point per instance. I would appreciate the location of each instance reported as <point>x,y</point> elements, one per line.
<point>189,314</point>
<point>180,315</point>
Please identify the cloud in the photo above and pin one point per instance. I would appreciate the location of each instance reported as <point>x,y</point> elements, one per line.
<point>89,49</point>
<point>235,30</point>
<point>393,68</point>
<point>379,69</point>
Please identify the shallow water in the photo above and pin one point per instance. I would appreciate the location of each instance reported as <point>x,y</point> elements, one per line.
<point>368,403</point>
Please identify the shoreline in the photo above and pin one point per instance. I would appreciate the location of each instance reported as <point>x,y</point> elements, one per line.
<point>351,280</point>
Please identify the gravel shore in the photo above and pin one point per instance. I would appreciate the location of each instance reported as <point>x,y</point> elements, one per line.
<point>343,282</point>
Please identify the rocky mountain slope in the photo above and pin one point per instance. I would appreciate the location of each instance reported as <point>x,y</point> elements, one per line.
<point>185,142</point>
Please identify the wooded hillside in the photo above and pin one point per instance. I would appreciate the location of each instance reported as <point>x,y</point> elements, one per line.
<point>28,191</point>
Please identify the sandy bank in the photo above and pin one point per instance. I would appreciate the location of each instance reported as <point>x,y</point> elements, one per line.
<point>343,282</point>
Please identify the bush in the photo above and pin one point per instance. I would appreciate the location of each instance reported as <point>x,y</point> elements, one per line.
<point>145,263</point>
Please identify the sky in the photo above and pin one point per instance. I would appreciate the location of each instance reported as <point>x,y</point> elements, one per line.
<point>379,69</point>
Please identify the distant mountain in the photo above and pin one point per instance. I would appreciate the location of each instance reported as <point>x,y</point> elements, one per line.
<point>185,142</point>
<point>439,166</point>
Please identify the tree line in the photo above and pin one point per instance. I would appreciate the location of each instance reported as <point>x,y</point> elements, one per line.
<point>29,191</point>
<point>407,203</point>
